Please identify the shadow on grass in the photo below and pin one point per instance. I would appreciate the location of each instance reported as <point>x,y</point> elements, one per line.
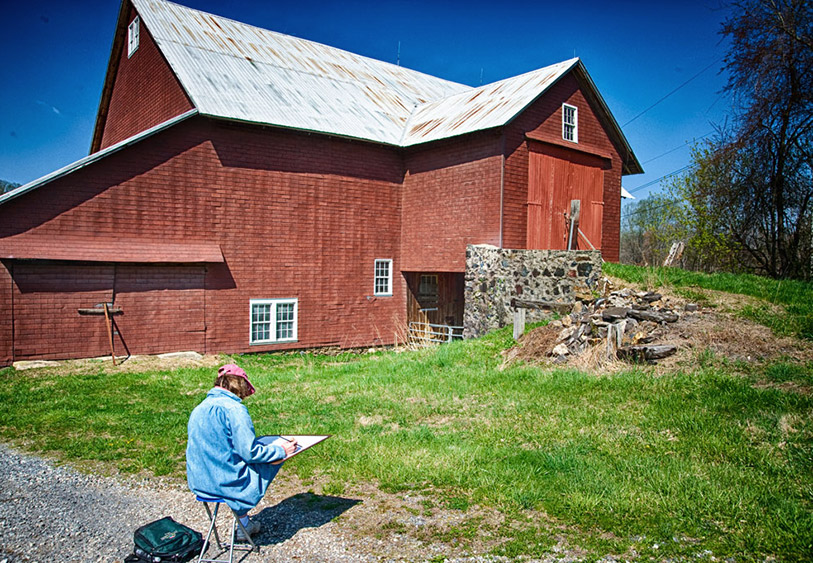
<point>305,510</point>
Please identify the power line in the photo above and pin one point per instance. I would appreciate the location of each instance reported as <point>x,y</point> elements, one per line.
<point>677,148</point>
<point>641,210</point>
<point>655,181</point>
<point>715,61</point>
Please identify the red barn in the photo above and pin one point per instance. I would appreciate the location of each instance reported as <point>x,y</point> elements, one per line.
<point>249,191</point>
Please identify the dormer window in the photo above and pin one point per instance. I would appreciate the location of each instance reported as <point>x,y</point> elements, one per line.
<point>132,36</point>
<point>570,123</point>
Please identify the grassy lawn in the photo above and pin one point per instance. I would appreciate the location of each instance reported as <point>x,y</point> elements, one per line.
<point>794,299</point>
<point>686,464</point>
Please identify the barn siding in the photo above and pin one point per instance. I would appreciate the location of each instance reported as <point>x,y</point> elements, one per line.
<point>295,216</point>
<point>6,333</point>
<point>145,91</point>
<point>451,199</point>
<point>544,119</point>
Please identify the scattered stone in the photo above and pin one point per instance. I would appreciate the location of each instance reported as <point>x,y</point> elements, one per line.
<point>624,323</point>
<point>691,307</point>
<point>646,353</point>
<point>612,314</point>
<point>560,350</point>
<point>654,316</point>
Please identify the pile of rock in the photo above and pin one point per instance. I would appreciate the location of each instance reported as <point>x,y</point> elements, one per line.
<point>626,322</point>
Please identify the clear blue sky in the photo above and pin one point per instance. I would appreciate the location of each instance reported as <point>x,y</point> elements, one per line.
<point>54,56</point>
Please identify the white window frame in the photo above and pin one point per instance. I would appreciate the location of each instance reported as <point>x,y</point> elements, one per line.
<point>574,124</point>
<point>274,303</point>
<point>133,35</point>
<point>388,290</point>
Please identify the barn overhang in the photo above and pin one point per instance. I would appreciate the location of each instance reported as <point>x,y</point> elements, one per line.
<point>106,249</point>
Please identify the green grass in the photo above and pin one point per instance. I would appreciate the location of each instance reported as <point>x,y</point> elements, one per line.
<point>794,299</point>
<point>695,461</point>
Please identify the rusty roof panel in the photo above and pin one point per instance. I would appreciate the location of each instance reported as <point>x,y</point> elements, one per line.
<point>234,70</point>
<point>485,107</point>
<point>237,71</point>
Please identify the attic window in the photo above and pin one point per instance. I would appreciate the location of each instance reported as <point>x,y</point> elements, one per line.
<point>132,36</point>
<point>570,123</point>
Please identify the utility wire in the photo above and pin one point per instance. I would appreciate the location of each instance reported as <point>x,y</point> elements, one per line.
<point>714,62</point>
<point>655,181</point>
<point>641,210</point>
<point>677,148</point>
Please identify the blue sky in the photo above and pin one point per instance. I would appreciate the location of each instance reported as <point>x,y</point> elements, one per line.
<point>54,56</point>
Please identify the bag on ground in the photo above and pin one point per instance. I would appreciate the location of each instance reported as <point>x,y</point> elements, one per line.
<point>165,540</point>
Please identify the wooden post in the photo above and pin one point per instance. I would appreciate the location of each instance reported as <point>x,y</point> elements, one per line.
<point>519,323</point>
<point>575,209</point>
<point>109,332</point>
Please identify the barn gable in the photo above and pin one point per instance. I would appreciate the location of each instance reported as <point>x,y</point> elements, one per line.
<point>140,90</point>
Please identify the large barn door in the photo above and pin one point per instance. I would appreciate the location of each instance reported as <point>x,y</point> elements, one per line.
<point>156,308</point>
<point>552,183</point>
<point>46,301</point>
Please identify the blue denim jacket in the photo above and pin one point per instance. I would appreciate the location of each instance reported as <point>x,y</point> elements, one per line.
<point>223,457</point>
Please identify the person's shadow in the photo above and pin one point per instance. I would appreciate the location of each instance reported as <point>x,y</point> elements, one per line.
<point>305,510</point>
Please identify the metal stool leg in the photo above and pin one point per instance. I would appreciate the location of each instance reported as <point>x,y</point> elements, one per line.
<point>233,540</point>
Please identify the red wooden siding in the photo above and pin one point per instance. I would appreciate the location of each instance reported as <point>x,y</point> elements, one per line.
<point>145,91</point>
<point>543,120</point>
<point>5,314</point>
<point>451,198</point>
<point>552,183</point>
<point>47,297</point>
<point>296,216</point>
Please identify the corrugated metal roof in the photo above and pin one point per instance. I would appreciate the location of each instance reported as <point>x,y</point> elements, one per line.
<point>481,108</point>
<point>237,71</point>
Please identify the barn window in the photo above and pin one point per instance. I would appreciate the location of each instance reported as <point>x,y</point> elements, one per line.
<point>570,123</point>
<point>428,288</point>
<point>132,36</point>
<point>383,277</point>
<point>273,320</point>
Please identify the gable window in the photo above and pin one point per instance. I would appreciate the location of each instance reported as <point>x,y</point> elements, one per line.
<point>273,320</point>
<point>383,277</point>
<point>132,36</point>
<point>570,123</point>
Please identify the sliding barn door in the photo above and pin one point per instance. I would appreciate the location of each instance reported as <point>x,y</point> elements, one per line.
<point>552,183</point>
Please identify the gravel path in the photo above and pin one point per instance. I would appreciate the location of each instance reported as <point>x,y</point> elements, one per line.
<point>54,513</point>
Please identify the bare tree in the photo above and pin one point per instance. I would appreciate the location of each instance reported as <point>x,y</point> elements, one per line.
<point>753,185</point>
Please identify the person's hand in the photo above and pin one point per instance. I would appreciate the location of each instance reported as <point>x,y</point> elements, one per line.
<point>289,447</point>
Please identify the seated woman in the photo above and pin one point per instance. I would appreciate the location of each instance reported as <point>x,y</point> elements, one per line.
<point>223,457</point>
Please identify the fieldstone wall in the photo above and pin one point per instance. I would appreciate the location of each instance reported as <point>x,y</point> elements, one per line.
<point>496,278</point>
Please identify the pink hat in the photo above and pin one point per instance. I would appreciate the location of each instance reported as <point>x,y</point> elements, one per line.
<point>237,371</point>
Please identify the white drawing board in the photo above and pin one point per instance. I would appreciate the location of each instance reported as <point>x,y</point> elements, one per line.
<point>303,442</point>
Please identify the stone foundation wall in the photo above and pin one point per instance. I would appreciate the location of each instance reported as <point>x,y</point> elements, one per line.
<point>497,277</point>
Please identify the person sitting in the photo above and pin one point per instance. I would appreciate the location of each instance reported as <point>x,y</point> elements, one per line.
<point>223,457</point>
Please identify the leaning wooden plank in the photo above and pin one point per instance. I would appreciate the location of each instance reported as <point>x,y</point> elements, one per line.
<point>109,326</point>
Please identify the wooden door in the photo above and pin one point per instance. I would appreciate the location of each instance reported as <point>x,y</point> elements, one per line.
<point>435,298</point>
<point>553,182</point>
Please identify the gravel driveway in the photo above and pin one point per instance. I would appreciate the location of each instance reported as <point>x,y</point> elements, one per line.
<point>54,513</point>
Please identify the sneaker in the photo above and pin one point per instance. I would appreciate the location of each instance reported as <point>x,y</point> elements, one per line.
<point>253,529</point>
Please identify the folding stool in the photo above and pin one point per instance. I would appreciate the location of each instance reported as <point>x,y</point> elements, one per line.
<point>248,547</point>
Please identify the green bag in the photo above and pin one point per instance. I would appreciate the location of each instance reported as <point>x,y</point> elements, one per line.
<point>166,540</point>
